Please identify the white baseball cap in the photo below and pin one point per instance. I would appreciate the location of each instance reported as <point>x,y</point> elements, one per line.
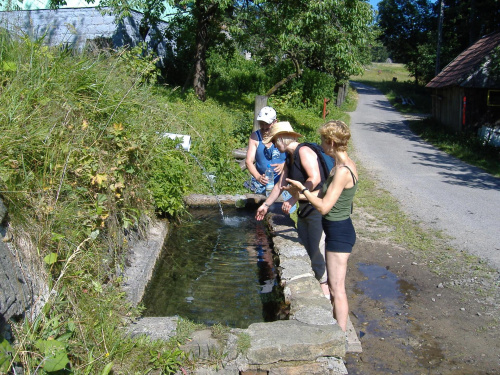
<point>267,114</point>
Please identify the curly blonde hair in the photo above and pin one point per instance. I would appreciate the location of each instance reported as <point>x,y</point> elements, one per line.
<point>336,131</point>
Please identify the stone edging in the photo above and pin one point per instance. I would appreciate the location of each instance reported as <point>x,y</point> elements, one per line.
<point>310,341</point>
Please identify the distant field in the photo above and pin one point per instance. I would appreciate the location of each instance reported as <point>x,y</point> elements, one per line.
<point>381,76</point>
<point>380,72</point>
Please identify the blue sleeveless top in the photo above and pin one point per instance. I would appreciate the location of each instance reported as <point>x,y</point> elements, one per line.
<point>264,157</point>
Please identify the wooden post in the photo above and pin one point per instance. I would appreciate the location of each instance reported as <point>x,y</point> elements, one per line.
<point>260,102</point>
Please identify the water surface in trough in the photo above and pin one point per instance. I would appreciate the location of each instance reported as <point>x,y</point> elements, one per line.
<point>216,270</point>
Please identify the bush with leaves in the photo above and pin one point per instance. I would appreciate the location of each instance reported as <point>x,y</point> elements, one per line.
<point>80,139</point>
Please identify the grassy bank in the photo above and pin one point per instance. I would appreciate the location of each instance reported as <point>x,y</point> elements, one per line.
<point>83,162</point>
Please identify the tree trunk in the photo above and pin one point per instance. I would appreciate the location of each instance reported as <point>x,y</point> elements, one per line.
<point>298,73</point>
<point>204,17</point>
<point>281,83</point>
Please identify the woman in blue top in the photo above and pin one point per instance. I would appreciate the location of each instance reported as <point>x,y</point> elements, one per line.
<point>260,154</point>
<point>335,204</point>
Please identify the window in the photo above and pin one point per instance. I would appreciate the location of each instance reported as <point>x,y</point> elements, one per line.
<point>493,98</point>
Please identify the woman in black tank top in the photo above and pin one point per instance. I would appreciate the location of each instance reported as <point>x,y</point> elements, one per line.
<point>304,166</point>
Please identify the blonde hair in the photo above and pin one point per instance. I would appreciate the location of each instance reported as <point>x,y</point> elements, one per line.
<point>336,131</point>
<point>286,138</point>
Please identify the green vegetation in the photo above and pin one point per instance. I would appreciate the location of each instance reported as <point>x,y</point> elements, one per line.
<point>83,161</point>
<point>465,146</point>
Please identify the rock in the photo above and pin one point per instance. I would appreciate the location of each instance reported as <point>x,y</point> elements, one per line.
<point>290,340</point>
<point>22,277</point>
<point>3,212</point>
<point>158,328</point>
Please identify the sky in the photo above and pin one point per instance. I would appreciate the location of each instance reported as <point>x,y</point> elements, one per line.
<point>34,4</point>
<point>374,3</point>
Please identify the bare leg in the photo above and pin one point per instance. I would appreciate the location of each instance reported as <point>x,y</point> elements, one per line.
<point>336,265</point>
<point>326,289</point>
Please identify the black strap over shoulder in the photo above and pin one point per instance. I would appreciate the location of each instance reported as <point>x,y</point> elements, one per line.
<point>324,170</point>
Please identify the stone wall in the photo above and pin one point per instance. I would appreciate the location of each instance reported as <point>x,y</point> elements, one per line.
<point>310,342</point>
<point>22,276</point>
<point>77,27</point>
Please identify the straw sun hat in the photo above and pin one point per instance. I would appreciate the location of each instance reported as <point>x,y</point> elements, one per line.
<point>279,128</point>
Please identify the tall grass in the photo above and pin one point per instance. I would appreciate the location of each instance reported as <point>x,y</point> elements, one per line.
<point>82,161</point>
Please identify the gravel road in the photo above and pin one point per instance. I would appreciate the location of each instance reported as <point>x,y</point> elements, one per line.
<point>432,187</point>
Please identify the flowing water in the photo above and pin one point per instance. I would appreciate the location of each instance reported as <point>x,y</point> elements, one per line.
<point>216,270</point>
<point>210,179</point>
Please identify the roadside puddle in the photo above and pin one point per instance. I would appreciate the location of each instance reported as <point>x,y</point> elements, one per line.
<point>387,315</point>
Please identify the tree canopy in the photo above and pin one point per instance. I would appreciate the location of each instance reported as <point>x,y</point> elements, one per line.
<point>330,36</point>
<point>410,30</point>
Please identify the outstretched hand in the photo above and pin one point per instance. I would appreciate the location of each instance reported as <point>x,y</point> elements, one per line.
<point>261,212</point>
<point>294,184</point>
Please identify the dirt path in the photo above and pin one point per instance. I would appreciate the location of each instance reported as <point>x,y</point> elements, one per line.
<point>412,321</point>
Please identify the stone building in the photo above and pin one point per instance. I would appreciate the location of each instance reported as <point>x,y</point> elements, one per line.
<point>79,28</point>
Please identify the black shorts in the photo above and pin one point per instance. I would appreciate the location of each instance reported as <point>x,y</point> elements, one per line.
<point>340,236</point>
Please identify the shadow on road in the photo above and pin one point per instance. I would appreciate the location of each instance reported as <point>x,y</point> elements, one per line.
<point>452,170</point>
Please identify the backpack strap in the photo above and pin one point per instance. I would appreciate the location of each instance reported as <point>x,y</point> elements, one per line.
<point>321,158</point>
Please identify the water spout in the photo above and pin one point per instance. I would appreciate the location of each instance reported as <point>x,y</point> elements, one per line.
<point>185,140</point>
<point>185,145</point>
<point>210,179</point>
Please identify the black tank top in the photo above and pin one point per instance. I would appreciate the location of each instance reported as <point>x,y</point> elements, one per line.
<point>297,172</point>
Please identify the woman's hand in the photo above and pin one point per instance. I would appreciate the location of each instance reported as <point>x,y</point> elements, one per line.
<point>294,185</point>
<point>263,179</point>
<point>286,207</point>
<point>261,212</point>
<point>278,168</point>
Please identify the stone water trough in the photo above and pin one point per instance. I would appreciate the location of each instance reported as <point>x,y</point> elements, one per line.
<point>310,342</point>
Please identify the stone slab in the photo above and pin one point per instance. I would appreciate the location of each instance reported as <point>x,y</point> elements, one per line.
<point>315,315</point>
<point>142,257</point>
<point>293,341</point>
<point>292,269</point>
<point>160,328</point>
<point>353,343</point>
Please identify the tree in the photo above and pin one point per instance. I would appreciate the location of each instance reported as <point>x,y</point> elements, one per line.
<point>407,26</point>
<point>412,30</point>
<point>378,51</point>
<point>328,36</point>
<point>208,15</point>
<point>464,22</point>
